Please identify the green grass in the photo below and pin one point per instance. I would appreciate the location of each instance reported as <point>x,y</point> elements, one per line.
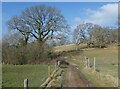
<point>106,63</point>
<point>67,47</point>
<point>13,76</point>
<point>105,58</point>
<point>64,48</point>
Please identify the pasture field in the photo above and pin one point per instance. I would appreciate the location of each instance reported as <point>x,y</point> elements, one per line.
<point>13,76</point>
<point>67,47</point>
<point>106,64</point>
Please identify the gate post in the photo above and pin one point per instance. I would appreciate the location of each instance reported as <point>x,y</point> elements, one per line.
<point>25,83</point>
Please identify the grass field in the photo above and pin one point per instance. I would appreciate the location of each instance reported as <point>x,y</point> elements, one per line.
<point>67,47</point>
<point>106,63</point>
<point>13,76</point>
<point>106,60</point>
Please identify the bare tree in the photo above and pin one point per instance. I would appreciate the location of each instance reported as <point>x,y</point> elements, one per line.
<point>17,25</point>
<point>39,22</point>
<point>114,36</point>
<point>94,34</point>
<point>102,35</point>
<point>82,33</point>
<point>79,34</point>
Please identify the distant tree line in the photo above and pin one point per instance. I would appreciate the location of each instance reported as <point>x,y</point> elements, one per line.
<point>95,35</point>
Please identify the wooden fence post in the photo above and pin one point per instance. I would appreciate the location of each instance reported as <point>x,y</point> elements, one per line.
<point>88,62</point>
<point>25,83</point>
<point>94,65</point>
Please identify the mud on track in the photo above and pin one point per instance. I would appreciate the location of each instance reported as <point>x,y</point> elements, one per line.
<point>75,78</point>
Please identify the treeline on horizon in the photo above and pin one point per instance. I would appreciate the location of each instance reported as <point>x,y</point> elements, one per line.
<point>37,29</point>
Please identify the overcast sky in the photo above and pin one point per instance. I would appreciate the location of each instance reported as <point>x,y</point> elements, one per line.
<point>101,13</point>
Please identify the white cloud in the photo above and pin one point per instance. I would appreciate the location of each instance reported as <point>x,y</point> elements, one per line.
<point>77,20</point>
<point>107,15</point>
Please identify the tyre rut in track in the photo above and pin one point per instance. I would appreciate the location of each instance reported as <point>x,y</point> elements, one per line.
<point>75,78</point>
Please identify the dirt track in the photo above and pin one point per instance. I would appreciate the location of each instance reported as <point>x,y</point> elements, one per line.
<point>74,78</point>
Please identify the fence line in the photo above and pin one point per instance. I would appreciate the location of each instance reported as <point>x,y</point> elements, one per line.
<point>94,64</point>
<point>88,63</point>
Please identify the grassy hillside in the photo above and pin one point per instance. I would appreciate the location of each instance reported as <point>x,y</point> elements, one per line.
<point>106,64</point>
<point>106,59</point>
<point>67,47</point>
<point>13,76</point>
<point>64,48</point>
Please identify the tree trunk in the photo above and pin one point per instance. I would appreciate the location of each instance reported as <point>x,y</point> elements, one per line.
<point>26,41</point>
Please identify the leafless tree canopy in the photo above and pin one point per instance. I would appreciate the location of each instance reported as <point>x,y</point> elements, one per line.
<point>40,22</point>
<point>94,34</point>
